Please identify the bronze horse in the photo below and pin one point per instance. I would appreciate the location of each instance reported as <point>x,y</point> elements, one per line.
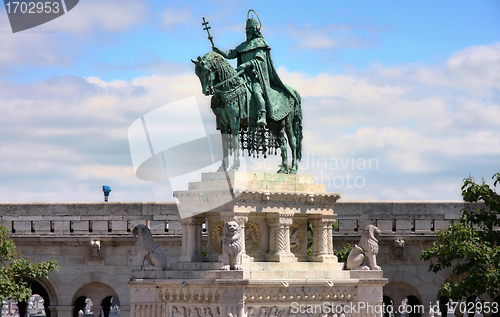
<point>237,117</point>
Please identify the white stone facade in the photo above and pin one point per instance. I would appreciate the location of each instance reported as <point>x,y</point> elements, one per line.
<point>65,231</point>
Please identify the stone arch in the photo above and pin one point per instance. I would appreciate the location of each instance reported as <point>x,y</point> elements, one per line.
<point>397,291</point>
<point>81,280</point>
<point>44,288</point>
<point>78,304</point>
<point>414,302</point>
<point>96,291</point>
<point>388,305</point>
<point>107,304</point>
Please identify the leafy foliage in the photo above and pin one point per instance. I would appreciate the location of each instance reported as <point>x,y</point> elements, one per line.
<point>309,237</point>
<point>470,247</point>
<point>343,253</point>
<point>14,269</point>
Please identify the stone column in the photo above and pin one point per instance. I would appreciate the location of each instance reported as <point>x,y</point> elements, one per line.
<point>184,237</point>
<point>322,248</point>
<point>198,232</point>
<point>96,310</point>
<point>61,311</point>
<point>191,239</point>
<point>279,238</point>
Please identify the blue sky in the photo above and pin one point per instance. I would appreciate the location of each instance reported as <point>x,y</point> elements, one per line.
<point>412,84</point>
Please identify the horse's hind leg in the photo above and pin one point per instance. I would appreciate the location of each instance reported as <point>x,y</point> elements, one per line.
<point>236,151</point>
<point>284,158</point>
<point>293,145</point>
<point>225,151</point>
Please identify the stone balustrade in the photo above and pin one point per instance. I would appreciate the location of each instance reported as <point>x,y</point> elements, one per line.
<point>397,217</point>
<point>101,219</point>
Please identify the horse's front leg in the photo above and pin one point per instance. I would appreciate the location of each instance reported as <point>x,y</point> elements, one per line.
<point>293,146</point>
<point>284,158</point>
<point>225,151</point>
<point>235,130</point>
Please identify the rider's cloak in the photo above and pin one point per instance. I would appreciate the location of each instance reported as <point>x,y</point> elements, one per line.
<point>278,96</point>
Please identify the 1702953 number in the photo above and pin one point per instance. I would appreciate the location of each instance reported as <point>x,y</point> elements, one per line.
<point>473,307</point>
<point>32,7</point>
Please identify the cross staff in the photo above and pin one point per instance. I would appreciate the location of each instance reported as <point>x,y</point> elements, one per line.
<point>205,23</point>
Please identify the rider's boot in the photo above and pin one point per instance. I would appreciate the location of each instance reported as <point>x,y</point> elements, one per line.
<point>261,106</point>
<point>261,122</point>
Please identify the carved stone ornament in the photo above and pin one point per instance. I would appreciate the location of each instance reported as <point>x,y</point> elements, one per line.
<point>252,236</point>
<point>296,237</point>
<point>232,247</point>
<point>218,236</point>
<point>181,311</point>
<point>95,252</point>
<point>147,250</point>
<point>366,249</point>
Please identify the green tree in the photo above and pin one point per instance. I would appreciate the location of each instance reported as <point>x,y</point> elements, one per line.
<point>470,248</point>
<point>14,269</point>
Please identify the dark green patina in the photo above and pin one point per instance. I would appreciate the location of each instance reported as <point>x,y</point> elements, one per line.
<point>255,110</point>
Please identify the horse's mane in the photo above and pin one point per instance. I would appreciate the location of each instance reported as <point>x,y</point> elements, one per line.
<point>223,70</point>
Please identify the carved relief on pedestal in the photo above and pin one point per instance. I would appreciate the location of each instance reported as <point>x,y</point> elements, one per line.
<point>217,236</point>
<point>267,311</point>
<point>252,236</point>
<point>189,295</point>
<point>181,311</point>
<point>296,237</point>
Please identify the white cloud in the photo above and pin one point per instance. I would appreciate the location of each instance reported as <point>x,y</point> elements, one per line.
<point>331,36</point>
<point>474,69</point>
<point>422,133</point>
<point>171,18</point>
<point>95,15</point>
<point>43,45</point>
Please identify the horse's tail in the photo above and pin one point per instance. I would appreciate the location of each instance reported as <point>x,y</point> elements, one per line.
<point>297,124</point>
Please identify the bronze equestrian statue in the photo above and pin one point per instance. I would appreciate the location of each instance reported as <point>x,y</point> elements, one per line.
<point>252,105</point>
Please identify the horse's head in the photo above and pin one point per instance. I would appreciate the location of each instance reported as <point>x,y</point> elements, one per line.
<point>205,73</point>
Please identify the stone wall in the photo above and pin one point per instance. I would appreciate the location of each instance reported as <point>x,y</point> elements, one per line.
<point>93,242</point>
<point>406,228</point>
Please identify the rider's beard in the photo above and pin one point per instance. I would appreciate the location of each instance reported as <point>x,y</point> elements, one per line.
<point>250,36</point>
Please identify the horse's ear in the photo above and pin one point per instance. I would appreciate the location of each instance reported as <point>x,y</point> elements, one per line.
<point>192,60</point>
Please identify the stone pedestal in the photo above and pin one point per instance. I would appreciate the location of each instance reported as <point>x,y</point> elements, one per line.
<point>273,211</point>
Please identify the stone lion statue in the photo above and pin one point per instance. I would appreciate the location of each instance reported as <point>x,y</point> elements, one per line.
<point>232,247</point>
<point>366,250</point>
<point>147,250</point>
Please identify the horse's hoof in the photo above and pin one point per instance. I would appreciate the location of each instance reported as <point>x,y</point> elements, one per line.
<point>235,166</point>
<point>222,168</point>
<point>293,171</point>
<point>282,170</point>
